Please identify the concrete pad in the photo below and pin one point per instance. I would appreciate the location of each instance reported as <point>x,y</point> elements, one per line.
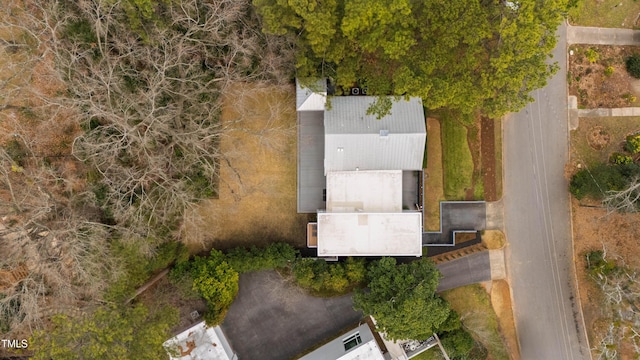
<point>574,119</point>
<point>602,36</point>
<point>495,215</point>
<point>498,268</point>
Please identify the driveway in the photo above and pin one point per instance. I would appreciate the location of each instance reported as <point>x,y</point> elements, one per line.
<point>457,216</point>
<point>467,270</point>
<point>273,320</point>
<point>537,223</point>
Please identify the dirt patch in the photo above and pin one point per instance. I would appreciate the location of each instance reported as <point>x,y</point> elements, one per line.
<point>257,193</point>
<point>598,138</point>
<point>488,156</point>
<point>501,302</point>
<point>598,77</point>
<point>433,183</point>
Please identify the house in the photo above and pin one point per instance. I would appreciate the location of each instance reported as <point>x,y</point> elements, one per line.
<point>364,343</point>
<point>360,174</point>
<point>200,342</point>
<point>358,343</point>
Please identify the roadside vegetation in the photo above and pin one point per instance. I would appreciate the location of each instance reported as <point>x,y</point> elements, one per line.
<point>609,178</point>
<point>604,183</point>
<point>620,292</point>
<point>605,13</point>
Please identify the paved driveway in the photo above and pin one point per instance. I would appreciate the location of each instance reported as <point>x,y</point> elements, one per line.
<point>537,223</point>
<point>455,216</point>
<point>467,270</point>
<point>271,319</point>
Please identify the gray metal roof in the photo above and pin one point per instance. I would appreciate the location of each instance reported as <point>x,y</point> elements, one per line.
<point>311,179</point>
<point>367,348</point>
<point>355,140</point>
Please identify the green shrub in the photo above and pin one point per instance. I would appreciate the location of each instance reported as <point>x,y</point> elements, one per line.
<point>592,55</point>
<point>275,255</point>
<point>608,71</point>
<point>216,281</point>
<point>329,279</point>
<point>629,97</point>
<point>595,182</point>
<point>620,158</point>
<point>458,344</point>
<point>597,265</point>
<point>16,151</point>
<point>632,144</point>
<point>633,65</point>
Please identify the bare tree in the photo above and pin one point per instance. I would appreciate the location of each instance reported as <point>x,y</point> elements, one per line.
<point>151,108</point>
<point>621,292</point>
<point>624,200</point>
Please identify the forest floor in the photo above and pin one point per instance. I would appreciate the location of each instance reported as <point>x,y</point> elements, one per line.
<point>256,202</point>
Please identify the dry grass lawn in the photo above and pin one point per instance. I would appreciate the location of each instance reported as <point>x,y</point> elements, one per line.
<point>257,191</point>
<point>493,239</point>
<point>433,183</point>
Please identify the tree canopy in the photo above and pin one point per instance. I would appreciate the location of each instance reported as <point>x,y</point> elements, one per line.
<point>109,333</point>
<point>403,300</point>
<point>467,55</point>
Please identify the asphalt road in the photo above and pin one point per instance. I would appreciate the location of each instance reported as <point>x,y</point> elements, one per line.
<point>467,270</point>
<point>537,222</point>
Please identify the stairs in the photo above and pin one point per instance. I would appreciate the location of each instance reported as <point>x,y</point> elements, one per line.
<point>458,253</point>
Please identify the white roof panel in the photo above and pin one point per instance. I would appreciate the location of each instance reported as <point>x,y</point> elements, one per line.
<point>313,97</point>
<point>370,234</point>
<point>200,342</point>
<point>368,191</point>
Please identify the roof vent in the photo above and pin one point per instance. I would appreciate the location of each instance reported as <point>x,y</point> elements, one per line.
<point>384,133</point>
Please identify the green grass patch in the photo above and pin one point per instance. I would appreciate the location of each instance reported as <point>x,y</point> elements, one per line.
<point>456,157</point>
<point>615,128</point>
<point>431,354</point>
<point>478,317</point>
<point>605,13</point>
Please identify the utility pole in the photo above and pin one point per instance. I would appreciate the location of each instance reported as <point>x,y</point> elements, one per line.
<point>444,353</point>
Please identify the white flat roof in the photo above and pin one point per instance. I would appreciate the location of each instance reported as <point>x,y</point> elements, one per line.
<point>199,342</point>
<point>370,234</point>
<point>368,191</point>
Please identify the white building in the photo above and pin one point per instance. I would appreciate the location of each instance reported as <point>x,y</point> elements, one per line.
<point>358,343</point>
<point>200,342</point>
<point>360,174</point>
